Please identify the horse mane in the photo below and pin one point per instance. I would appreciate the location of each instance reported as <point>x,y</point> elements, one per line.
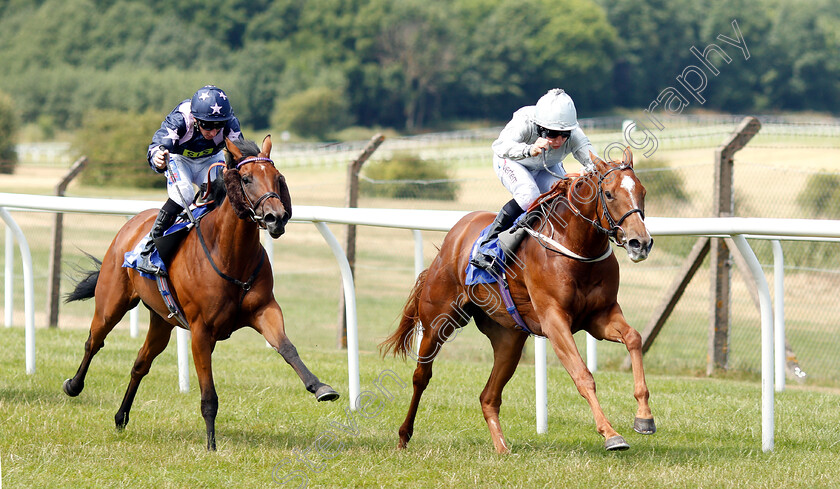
<point>233,180</point>
<point>245,146</point>
<point>560,188</point>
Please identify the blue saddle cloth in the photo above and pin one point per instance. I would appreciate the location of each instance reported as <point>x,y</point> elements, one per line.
<point>477,275</point>
<point>131,257</point>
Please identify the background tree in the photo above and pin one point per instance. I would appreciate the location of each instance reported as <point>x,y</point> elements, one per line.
<point>408,64</point>
<point>8,129</point>
<point>318,112</point>
<point>654,37</point>
<point>116,150</point>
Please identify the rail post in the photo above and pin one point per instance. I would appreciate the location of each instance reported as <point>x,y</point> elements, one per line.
<point>721,261</point>
<point>54,284</point>
<point>352,200</point>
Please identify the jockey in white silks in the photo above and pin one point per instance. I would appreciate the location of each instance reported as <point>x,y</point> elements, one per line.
<point>528,157</point>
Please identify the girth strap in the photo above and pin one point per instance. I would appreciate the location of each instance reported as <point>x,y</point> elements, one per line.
<point>169,300</point>
<point>510,306</point>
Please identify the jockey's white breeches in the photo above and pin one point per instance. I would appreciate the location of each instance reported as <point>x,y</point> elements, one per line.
<point>183,173</point>
<point>525,185</point>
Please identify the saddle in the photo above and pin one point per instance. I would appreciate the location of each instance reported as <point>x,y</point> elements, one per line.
<point>165,247</point>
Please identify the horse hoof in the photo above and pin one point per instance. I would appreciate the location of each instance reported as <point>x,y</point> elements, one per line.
<point>121,421</point>
<point>616,443</point>
<point>67,387</point>
<point>326,393</point>
<point>644,426</point>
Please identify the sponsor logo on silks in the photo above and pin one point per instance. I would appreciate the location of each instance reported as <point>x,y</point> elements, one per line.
<point>197,154</point>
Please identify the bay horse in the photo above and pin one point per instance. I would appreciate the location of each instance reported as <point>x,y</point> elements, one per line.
<point>556,292</point>
<point>221,288</point>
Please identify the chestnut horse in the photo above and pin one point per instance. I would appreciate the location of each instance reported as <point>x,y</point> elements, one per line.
<point>556,289</point>
<point>227,286</point>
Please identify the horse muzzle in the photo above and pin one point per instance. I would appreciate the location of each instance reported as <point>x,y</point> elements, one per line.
<point>275,225</point>
<point>638,249</point>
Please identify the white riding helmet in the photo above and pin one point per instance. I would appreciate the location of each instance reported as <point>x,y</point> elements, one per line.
<point>556,111</point>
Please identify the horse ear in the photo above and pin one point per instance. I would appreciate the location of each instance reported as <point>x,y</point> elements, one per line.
<point>627,158</point>
<point>233,150</point>
<point>598,162</point>
<point>266,145</point>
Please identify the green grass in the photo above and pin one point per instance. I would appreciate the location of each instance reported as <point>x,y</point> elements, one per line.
<point>709,436</point>
<point>709,429</point>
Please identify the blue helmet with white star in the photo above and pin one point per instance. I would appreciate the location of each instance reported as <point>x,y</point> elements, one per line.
<point>210,103</point>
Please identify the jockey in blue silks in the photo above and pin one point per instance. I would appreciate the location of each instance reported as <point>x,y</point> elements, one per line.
<point>189,141</point>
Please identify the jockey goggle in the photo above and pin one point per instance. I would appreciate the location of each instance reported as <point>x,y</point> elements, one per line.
<point>210,125</point>
<point>553,133</point>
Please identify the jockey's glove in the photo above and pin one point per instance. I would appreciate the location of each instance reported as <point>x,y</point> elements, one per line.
<point>159,158</point>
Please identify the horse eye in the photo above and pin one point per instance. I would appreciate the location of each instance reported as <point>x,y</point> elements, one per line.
<point>608,194</point>
<point>246,179</point>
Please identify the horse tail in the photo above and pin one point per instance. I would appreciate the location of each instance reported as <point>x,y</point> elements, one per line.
<point>399,342</point>
<point>86,286</point>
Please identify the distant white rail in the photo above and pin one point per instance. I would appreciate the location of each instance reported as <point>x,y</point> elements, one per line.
<point>738,228</point>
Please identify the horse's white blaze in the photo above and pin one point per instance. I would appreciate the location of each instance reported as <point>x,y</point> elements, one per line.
<point>628,184</point>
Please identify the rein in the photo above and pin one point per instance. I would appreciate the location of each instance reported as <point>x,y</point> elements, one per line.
<point>245,286</point>
<point>552,198</point>
<point>615,226</point>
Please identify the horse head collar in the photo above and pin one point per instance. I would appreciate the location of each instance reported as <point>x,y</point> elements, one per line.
<point>247,176</point>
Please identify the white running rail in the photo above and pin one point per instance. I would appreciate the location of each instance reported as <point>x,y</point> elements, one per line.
<point>426,220</point>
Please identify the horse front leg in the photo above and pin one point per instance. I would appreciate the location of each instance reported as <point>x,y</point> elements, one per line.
<point>557,330</point>
<point>614,327</point>
<point>202,350</point>
<point>269,322</point>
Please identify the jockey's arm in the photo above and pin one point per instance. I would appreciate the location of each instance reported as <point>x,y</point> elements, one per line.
<point>516,140</point>
<point>581,146</point>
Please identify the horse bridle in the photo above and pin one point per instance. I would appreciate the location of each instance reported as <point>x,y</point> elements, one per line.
<point>615,226</point>
<point>254,206</point>
<point>612,232</point>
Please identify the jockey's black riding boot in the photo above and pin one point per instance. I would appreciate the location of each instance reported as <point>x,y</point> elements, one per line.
<point>168,212</point>
<point>162,223</point>
<point>503,220</point>
<point>165,218</point>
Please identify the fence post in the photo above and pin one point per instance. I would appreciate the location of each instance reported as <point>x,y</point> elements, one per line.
<point>721,262</point>
<point>54,284</point>
<point>352,200</point>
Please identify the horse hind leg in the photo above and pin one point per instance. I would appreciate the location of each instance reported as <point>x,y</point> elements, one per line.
<point>507,350</point>
<point>156,340</point>
<point>111,306</point>
<point>442,323</point>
